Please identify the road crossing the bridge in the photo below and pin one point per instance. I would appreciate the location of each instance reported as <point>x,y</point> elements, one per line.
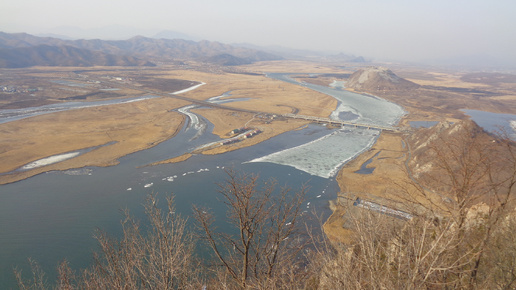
<point>341,123</point>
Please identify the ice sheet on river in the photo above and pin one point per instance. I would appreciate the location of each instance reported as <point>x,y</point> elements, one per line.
<point>195,122</point>
<point>367,109</point>
<point>323,157</point>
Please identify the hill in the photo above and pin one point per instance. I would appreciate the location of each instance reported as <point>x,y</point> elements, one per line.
<point>138,50</point>
<point>62,55</point>
<point>378,79</point>
<point>455,158</point>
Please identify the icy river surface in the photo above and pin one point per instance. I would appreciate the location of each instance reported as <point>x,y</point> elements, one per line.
<point>52,216</point>
<point>324,156</point>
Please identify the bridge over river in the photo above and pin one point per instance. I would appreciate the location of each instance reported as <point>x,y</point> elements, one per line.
<point>289,115</point>
<point>293,116</point>
<point>341,123</point>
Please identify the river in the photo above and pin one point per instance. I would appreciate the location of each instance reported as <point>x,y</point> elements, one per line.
<point>9,115</point>
<point>52,216</point>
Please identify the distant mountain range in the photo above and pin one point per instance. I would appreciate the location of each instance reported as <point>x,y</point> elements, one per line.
<point>24,50</point>
<point>304,54</point>
<point>114,32</point>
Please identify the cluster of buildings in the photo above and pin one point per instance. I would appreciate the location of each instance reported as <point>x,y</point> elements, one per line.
<point>14,89</point>
<point>244,132</point>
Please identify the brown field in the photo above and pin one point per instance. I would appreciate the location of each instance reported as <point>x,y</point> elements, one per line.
<point>389,185</point>
<point>294,66</point>
<point>388,164</point>
<point>140,125</point>
<point>134,126</point>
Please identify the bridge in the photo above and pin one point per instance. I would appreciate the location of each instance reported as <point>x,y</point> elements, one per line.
<point>341,123</point>
<point>289,115</point>
<point>321,120</point>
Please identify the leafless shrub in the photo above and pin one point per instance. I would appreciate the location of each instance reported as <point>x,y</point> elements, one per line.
<point>264,253</point>
<point>465,239</point>
<point>462,240</point>
<point>38,280</point>
<point>158,258</point>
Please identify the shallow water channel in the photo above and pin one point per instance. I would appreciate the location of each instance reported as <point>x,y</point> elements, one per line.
<point>52,216</point>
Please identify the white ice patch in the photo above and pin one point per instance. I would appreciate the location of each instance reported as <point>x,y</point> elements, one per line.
<point>137,100</point>
<point>195,122</point>
<point>50,160</point>
<point>188,89</point>
<point>513,125</point>
<point>207,145</point>
<point>337,84</point>
<point>323,157</point>
<point>218,98</point>
<point>344,108</point>
<point>193,117</point>
<point>373,110</point>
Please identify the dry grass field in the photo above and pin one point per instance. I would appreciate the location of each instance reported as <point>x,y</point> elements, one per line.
<point>133,126</point>
<point>293,66</point>
<point>388,164</point>
<point>139,125</point>
<point>444,92</point>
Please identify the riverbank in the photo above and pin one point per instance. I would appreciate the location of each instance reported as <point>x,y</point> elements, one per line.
<point>130,127</point>
<point>137,126</point>
<point>387,157</point>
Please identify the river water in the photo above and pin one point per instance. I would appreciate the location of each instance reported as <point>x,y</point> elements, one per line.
<point>9,115</point>
<point>494,122</point>
<point>52,216</point>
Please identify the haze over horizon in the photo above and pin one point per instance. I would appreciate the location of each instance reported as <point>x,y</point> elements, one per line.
<point>385,30</point>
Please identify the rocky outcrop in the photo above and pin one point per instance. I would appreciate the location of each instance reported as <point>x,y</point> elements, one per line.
<point>374,79</point>
<point>445,149</point>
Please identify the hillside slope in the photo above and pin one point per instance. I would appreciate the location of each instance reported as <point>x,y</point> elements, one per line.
<point>460,160</point>
<point>21,49</point>
<point>45,55</point>
<point>378,79</point>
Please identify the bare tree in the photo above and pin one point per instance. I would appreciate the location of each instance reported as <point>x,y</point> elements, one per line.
<point>472,168</point>
<point>160,257</point>
<point>464,238</point>
<point>38,280</point>
<point>268,240</point>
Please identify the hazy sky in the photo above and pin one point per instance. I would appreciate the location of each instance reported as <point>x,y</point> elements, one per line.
<point>411,30</point>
